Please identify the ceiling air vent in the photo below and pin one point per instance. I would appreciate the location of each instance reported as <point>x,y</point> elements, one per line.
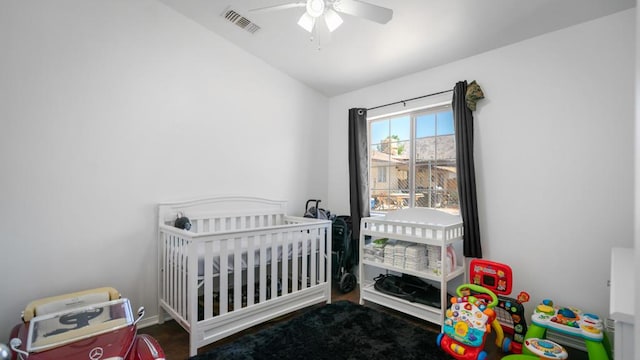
<point>241,21</point>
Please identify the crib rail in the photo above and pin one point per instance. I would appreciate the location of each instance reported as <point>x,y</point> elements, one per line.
<point>247,261</point>
<point>205,224</point>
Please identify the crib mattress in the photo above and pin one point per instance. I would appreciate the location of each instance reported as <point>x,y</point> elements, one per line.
<point>244,260</point>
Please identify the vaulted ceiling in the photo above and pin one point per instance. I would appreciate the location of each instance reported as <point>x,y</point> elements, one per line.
<point>422,34</point>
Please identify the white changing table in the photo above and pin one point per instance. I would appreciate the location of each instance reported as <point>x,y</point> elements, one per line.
<point>417,226</point>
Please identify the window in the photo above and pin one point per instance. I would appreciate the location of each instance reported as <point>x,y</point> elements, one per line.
<point>412,160</point>
<point>382,174</point>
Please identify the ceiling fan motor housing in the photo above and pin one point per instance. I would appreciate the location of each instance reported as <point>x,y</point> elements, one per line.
<point>315,8</point>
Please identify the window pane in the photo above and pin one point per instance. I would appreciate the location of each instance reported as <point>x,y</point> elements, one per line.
<point>425,185</point>
<point>379,131</point>
<point>445,123</point>
<point>403,181</point>
<point>425,125</point>
<point>379,177</point>
<point>378,156</point>
<point>448,180</point>
<point>380,200</point>
<point>403,148</point>
<point>401,167</point>
<point>393,177</point>
<point>425,149</point>
<point>437,185</point>
<point>445,147</point>
<point>380,161</point>
<point>400,128</point>
<point>398,199</point>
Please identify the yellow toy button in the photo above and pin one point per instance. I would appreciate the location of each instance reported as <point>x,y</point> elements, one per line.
<point>461,329</point>
<point>545,309</point>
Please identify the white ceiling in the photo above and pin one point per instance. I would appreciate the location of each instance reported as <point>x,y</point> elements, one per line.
<point>422,34</point>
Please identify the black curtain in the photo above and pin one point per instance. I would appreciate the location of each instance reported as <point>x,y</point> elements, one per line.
<point>463,120</point>
<point>358,169</point>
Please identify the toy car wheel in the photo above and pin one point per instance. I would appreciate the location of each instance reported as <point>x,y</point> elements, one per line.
<point>439,339</point>
<point>482,355</point>
<point>506,345</point>
<point>347,282</point>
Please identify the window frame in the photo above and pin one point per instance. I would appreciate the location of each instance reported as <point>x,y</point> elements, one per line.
<point>414,113</point>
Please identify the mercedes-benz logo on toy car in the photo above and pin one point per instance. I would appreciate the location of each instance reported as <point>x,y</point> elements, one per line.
<point>96,353</point>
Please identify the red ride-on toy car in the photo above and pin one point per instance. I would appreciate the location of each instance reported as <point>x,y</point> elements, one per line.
<point>92,324</point>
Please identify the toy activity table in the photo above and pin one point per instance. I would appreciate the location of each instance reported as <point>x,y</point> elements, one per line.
<point>568,321</point>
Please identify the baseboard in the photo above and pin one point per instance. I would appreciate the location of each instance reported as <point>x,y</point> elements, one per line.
<point>147,321</point>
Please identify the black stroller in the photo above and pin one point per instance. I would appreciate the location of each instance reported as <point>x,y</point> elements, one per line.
<point>343,256</point>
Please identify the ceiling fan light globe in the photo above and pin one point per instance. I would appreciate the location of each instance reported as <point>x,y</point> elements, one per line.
<point>315,8</point>
<point>307,22</point>
<point>332,19</point>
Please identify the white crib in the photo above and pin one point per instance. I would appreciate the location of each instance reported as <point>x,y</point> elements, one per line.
<point>243,262</point>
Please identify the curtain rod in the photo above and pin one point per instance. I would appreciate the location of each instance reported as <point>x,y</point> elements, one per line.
<point>405,101</point>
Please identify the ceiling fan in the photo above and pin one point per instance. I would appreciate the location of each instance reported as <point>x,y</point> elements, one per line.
<point>330,9</point>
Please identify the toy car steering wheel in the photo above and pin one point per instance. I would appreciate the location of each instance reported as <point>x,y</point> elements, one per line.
<point>80,319</point>
<point>480,290</point>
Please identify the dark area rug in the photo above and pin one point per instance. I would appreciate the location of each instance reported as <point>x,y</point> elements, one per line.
<point>342,330</point>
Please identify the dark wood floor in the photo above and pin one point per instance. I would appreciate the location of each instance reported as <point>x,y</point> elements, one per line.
<point>175,341</point>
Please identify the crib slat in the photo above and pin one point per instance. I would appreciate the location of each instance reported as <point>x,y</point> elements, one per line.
<point>285,262</point>
<point>237,274</point>
<point>178,277</point>
<point>251,263</point>
<point>275,250</point>
<point>295,270</point>
<point>263,268</point>
<point>169,276</point>
<point>305,260</point>
<point>174,274</point>
<point>321,252</point>
<point>166,270</point>
<point>181,276</point>
<point>183,295</point>
<point>208,280</point>
<point>313,254</point>
<point>224,277</point>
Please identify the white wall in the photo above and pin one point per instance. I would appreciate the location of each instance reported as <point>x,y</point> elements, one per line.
<point>554,153</point>
<point>109,107</point>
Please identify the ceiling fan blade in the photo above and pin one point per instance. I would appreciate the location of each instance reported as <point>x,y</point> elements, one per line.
<point>307,22</point>
<point>365,10</point>
<point>332,20</point>
<point>280,7</point>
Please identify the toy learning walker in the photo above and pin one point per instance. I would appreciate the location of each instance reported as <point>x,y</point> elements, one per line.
<point>467,323</point>
<point>498,278</point>
<point>479,309</point>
